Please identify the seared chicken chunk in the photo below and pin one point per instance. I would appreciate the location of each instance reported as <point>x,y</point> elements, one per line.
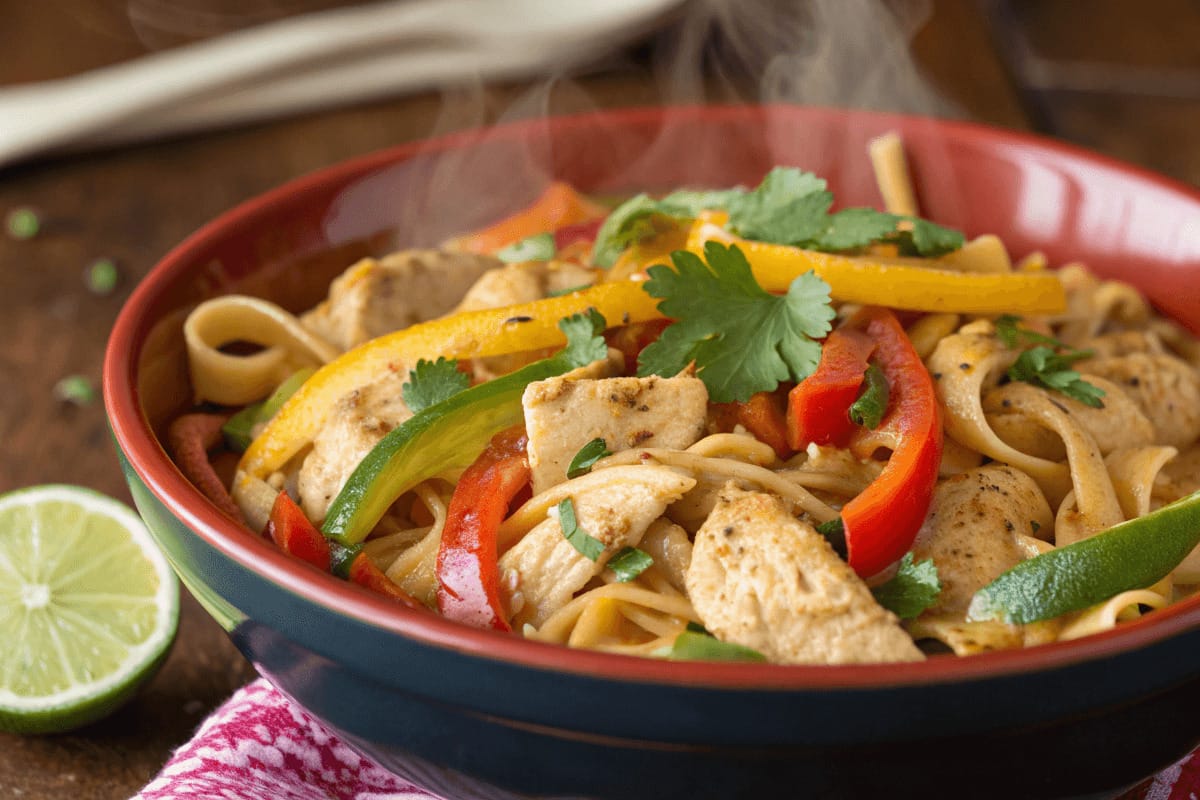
<point>358,422</point>
<point>1166,388</point>
<point>616,506</point>
<point>374,297</point>
<point>761,578</point>
<point>524,282</point>
<point>978,526</point>
<point>562,415</point>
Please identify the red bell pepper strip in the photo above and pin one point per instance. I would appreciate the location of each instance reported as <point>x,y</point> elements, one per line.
<point>467,570</point>
<point>762,415</point>
<point>291,531</point>
<point>818,406</point>
<point>882,522</point>
<point>365,573</point>
<point>558,207</point>
<point>189,439</point>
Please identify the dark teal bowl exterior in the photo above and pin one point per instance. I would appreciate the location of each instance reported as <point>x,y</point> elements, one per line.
<point>468,723</point>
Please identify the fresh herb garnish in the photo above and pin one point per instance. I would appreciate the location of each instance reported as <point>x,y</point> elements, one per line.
<point>742,338</point>
<point>872,401</point>
<point>587,545</point>
<point>587,457</point>
<point>834,532</point>
<point>789,207</point>
<point>629,562</point>
<point>23,223</point>
<point>539,247</point>
<point>431,382</point>
<point>914,588</point>
<point>693,645</point>
<point>633,220</point>
<point>1010,332</point>
<point>75,389</point>
<point>102,276</point>
<point>1042,366</point>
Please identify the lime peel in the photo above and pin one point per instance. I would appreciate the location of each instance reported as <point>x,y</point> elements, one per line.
<point>1133,555</point>
<point>50,617</point>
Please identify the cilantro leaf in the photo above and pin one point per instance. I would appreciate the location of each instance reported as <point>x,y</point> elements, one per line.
<point>872,401</point>
<point>632,220</point>
<point>431,382</point>
<point>692,645</point>
<point>539,247</point>
<point>834,532</point>
<point>1042,366</point>
<point>742,338</point>
<point>588,546</point>
<point>928,239</point>
<point>584,342</point>
<point>788,206</point>
<point>587,456</point>
<point>914,588</point>
<point>1008,330</point>
<point>629,562</point>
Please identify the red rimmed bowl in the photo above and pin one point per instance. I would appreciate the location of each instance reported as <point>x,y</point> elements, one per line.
<point>477,714</point>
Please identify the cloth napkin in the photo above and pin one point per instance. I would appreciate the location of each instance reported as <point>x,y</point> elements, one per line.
<point>261,746</point>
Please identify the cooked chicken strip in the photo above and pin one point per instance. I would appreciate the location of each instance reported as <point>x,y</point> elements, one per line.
<point>762,579</point>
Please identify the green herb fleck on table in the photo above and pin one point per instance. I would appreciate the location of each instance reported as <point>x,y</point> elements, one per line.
<point>432,382</point>
<point>23,223</point>
<point>742,338</point>
<point>75,389</point>
<point>588,546</point>
<point>102,276</point>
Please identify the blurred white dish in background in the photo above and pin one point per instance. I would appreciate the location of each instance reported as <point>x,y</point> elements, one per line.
<point>315,61</point>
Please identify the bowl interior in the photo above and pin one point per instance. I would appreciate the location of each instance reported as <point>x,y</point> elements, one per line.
<point>287,245</point>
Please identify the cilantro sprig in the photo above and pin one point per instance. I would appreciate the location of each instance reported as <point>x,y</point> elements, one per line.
<point>914,588</point>
<point>431,382</point>
<point>588,546</point>
<point>629,562</point>
<point>789,207</point>
<point>742,338</point>
<point>539,247</point>
<point>587,457</point>
<point>697,644</point>
<point>1048,363</point>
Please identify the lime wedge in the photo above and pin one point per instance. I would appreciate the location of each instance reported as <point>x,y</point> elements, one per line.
<point>88,607</point>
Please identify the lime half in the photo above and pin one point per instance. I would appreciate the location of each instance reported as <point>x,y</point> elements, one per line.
<point>88,607</point>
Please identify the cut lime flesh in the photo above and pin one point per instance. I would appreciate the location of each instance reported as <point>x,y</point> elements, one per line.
<point>88,607</point>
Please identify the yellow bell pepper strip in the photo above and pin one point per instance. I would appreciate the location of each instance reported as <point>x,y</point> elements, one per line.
<point>559,206</point>
<point>471,334</point>
<point>857,280</point>
<point>1132,555</point>
<point>449,436</point>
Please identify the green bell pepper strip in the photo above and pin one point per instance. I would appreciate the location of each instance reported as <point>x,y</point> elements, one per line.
<point>448,437</point>
<point>1132,555</point>
<point>238,430</point>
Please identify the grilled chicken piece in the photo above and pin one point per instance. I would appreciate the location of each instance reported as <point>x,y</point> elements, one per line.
<point>375,297</point>
<point>1165,387</point>
<point>978,526</point>
<point>562,415</point>
<point>524,282</point>
<point>359,420</point>
<point>762,579</point>
<point>614,506</point>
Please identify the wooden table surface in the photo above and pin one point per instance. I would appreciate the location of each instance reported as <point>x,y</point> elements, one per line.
<point>1014,64</point>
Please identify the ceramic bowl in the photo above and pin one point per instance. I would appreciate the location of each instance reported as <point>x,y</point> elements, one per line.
<point>477,714</point>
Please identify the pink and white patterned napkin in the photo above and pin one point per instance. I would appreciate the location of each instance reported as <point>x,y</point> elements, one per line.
<point>261,746</point>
